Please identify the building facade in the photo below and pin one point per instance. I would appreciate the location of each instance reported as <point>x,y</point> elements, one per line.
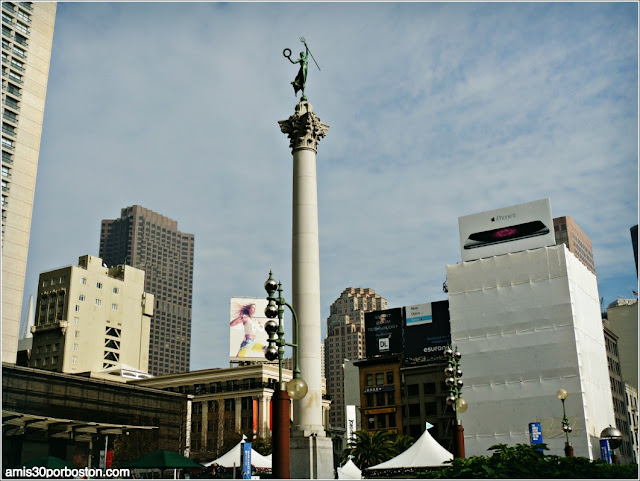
<point>569,233</point>
<point>91,318</point>
<point>225,401</point>
<point>381,394</point>
<point>622,315</point>
<point>345,340</point>
<point>523,322</point>
<point>631,395</point>
<point>152,242</point>
<point>619,395</point>
<point>27,38</point>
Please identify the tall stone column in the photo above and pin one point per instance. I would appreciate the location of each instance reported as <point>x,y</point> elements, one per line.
<point>311,450</point>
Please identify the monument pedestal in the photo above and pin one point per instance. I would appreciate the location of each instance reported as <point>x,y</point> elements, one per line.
<point>311,456</point>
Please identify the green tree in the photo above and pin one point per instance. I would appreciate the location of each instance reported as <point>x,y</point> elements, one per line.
<point>526,462</point>
<point>369,449</point>
<point>402,443</point>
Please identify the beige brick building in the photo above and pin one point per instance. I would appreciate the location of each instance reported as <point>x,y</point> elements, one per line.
<point>569,233</point>
<point>27,37</point>
<point>345,340</point>
<point>91,318</point>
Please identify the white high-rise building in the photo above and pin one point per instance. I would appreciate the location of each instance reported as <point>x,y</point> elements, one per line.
<point>27,38</point>
<point>528,324</point>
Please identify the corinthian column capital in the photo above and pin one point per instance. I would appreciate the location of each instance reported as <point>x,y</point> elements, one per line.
<point>304,128</point>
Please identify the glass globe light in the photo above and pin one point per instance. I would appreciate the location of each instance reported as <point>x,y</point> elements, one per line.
<point>448,353</point>
<point>562,394</point>
<point>271,354</point>
<point>459,383</point>
<point>451,400</point>
<point>461,405</point>
<point>271,310</point>
<point>448,371</point>
<point>297,388</point>
<point>458,373</point>
<point>449,381</point>
<point>270,285</point>
<point>457,356</point>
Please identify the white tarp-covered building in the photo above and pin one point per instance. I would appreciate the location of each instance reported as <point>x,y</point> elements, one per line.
<point>528,324</point>
<point>232,458</point>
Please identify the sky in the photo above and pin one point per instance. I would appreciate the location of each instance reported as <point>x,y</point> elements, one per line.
<point>436,111</point>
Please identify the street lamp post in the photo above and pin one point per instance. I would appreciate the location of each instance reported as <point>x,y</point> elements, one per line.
<point>566,427</point>
<point>453,379</point>
<point>294,389</point>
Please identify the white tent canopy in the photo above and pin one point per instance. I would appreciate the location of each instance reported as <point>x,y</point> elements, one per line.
<point>232,458</point>
<point>349,471</point>
<point>425,452</point>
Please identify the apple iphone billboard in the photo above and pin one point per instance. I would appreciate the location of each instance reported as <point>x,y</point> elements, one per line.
<point>247,338</point>
<point>510,229</point>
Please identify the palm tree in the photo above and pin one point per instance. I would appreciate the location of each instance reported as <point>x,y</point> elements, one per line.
<point>402,443</point>
<point>369,449</point>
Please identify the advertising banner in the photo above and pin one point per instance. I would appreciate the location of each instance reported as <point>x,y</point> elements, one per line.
<point>352,426</point>
<point>246,460</point>
<point>383,332</point>
<point>535,433</point>
<point>247,338</point>
<point>509,229</point>
<point>427,331</point>
<point>605,450</point>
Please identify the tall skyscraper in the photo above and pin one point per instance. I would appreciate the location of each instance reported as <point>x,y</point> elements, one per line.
<point>27,37</point>
<point>345,340</point>
<point>152,242</point>
<point>92,318</point>
<point>569,233</point>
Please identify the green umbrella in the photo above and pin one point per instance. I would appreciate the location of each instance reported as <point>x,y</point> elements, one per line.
<point>50,462</point>
<point>164,460</point>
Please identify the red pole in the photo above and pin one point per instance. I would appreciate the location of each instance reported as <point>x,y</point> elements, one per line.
<point>458,439</point>
<point>280,434</point>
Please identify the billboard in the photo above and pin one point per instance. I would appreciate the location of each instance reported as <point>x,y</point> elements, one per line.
<point>427,331</point>
<point>383,332</point>
<point>509,229</point>
<point>247,337</point>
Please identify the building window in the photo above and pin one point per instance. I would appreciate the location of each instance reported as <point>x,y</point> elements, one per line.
<point>115,290</point>
<point>74,360</point>
<point>77,307</point>
<point>379,378</point>
<point>380,398</point>
<point>412,390</point>
<point>98,302</point>
<point>76,321</point>
<point>369,400</point>
<point>389,377</point>
<point>83,280</point>
<point>114,307</point>
<point>369,380</point>
<point>76,334</point>
<point>429,387</point>
<point>431,409</point>
<point>75,347</point>
<point>99,285</point>
<point>414,410</point>
<point>81,297</point>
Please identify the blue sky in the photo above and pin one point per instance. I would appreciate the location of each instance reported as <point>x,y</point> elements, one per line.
<point>436,110</point>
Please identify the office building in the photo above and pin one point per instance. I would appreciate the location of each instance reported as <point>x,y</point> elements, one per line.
<point>569,233</point>
<point>523,321</point>
<point>152,242</point>
<point>91,318</point>
<point>623,321</point>
<point>619,395</point>
<point>345,340</point>
<point>27,37</point>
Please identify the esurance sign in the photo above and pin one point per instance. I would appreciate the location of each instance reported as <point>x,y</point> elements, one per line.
<point>508,229</point>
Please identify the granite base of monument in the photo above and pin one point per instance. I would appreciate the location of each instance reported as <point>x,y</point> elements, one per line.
<point>311,457</point>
